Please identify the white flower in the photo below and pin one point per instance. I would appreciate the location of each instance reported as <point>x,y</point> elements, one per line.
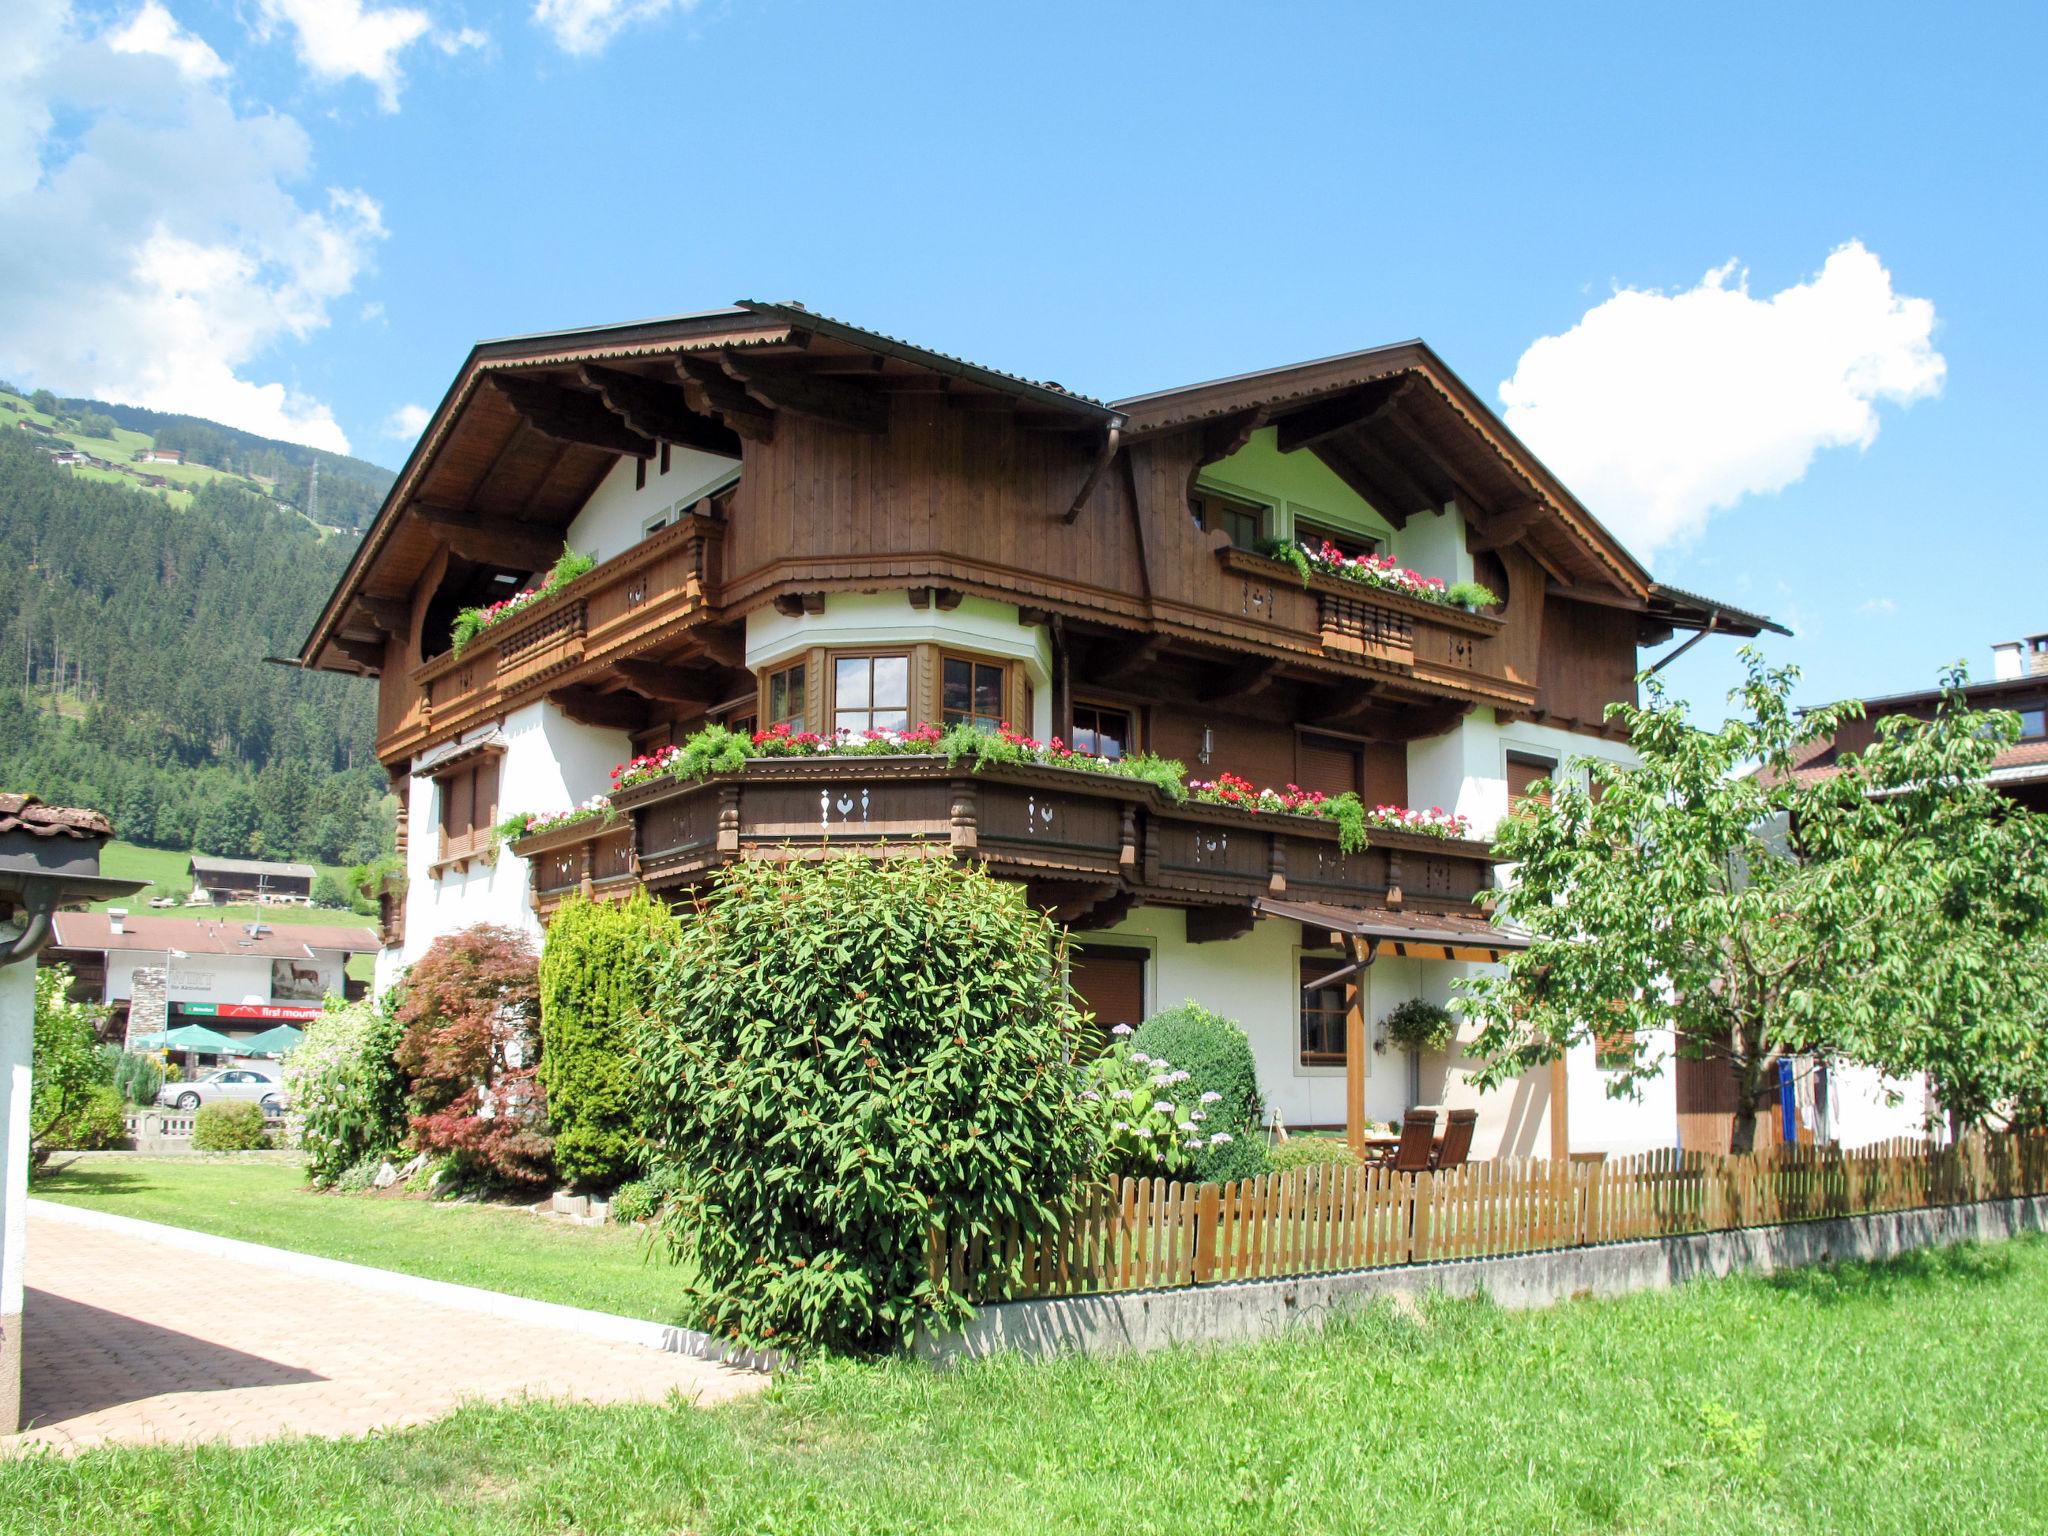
<point>1218,1138</point>
<point>1186,1125</point>
<point>1198,1115</point>
<point>1143,1132</point>
<point>1141,1058</point>
<point>1158,1157</point>
<point>1121,1095</point>
<point>1183,1076</point>
<point>1194,1141</point>
<point>1212,1097</point>
<point>1121,1029</point>
<point>1161,1079</point>
<point>1092,1096</point>
<point>1162,1107</point>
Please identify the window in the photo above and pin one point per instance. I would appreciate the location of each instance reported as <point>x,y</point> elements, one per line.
<point>1108,981</point>
<point>1244,521</point>
<point>1524,769</point>
<point>1350,544</point>
<point>2033,723</point>
<point>971,692</point>
<point>1325,1014</point>
<point>660,520</point>
<point>870,693</point>
<point>1102,732</point>
<point>1329,765</point>
<point>786,697</point>
<point>469,809</point>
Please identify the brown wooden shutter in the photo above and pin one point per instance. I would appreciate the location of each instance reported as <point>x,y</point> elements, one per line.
<point>484,805</point>
<point>1386,773</point>
<point>1328,765</point>
<point>1525,769</point>
<point>1109,983</point>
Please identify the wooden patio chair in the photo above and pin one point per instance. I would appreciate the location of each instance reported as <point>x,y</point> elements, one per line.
<point>1418,1140</point>
<point>1457,1142</point>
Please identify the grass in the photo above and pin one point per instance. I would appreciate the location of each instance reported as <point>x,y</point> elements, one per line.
<point>604,1268</point>
<point>1892,1398</point>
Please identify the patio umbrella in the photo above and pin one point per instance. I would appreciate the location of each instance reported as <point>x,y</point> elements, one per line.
<point>189,1037</point>
<point>273,1042</point>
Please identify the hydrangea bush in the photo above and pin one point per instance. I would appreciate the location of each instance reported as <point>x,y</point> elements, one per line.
<point>1152,1121</point>
<point>344,1083</point>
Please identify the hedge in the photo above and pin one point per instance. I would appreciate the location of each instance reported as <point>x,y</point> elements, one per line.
<point>230,1125</point>
<point>1214,1052</point>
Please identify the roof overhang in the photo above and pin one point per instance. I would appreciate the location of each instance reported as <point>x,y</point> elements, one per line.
<point>1410,935</point>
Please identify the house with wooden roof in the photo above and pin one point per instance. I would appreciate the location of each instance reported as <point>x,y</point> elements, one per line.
<point>800,524</point>
<point>226,881</point>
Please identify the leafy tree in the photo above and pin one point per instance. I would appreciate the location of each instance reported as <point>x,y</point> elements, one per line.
<point>843,1057</point>
<point>65,1068</point>
<point>1758,914</point>
<point>597,973</point>
<point>470,1010</point>
<point>345,1084</point>
<point>45,402</point>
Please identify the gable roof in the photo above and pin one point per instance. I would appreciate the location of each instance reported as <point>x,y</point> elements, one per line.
<point>203,936</point>
<point>201,865</point>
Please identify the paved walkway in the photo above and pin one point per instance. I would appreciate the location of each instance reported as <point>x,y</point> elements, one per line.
<point>132,1341</point>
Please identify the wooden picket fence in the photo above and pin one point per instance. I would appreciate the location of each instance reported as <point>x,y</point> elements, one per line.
<point>1148,1234</point>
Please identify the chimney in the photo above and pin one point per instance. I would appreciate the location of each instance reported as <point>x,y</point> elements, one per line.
<point>2006,662</point>
<point>2037,655</point>
<point>117,918</point>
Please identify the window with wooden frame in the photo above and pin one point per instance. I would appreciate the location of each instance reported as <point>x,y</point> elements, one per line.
<point>871,692</point>
<point>1244,521</point>
<point>1349,544</point>
<point>469,807</point>
<point>1325,1013</point>
<point>2033,722</point>
<point>1103,730</point>
<point>974,691</point>
<point>783,697</point>
<point>1524,769</point>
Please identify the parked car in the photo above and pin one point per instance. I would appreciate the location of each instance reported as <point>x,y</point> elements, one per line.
<point>261,1084</point>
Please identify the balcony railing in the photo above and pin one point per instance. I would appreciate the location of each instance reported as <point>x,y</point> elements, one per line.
<point>1060,827</point>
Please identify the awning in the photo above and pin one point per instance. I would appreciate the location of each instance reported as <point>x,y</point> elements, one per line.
<point>1410,935</point>
<point>188,1037</point>
<point>273,1042</point>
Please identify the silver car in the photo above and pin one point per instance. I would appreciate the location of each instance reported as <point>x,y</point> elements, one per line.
<point>260,1084</point>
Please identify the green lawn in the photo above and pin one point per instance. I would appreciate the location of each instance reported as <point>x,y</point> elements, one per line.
<point>1898,1398</point>
<point>603,1268</point>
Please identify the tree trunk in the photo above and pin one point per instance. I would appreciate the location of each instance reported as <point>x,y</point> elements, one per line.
<point>1755,1072</point>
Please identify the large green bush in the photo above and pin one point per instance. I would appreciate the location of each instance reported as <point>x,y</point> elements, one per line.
<point>1215,1054</point>
<point>98,1123</point>
<point>66,1066</point>
<point>596,980</point>
<point>1311,1152</point>
<point>843,1057</point>
<point>345,1085</point>
<point>229,1125</point>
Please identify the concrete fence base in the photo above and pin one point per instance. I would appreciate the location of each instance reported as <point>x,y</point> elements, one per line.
<point>1243,1310</point>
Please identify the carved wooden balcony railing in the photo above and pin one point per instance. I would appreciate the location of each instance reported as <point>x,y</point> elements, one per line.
<point>1386,630</point>
<point>1109,839</point>
<point>610,612</point>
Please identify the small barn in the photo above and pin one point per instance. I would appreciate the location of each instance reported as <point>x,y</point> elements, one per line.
<point>224,881</point>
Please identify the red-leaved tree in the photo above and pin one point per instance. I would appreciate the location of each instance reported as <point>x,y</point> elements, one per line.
<point>471,1011</point>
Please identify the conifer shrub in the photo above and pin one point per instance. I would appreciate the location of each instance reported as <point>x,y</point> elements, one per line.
<point>470,1011</point>
<point>842,1058</point>
<point>228,1125</point>
<point>596,979</point>
<point>344,1082</point>
<point>1217,1057</point>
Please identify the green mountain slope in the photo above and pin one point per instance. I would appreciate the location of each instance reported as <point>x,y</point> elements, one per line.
<point>133,627</point>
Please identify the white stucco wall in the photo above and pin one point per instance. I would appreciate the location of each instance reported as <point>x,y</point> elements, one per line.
<point>1861,1107</point>
<point>198,977</point>
<point>615,517</point>
<point>550,763</point>
<point>1466,769</point>
<point>862,619</point>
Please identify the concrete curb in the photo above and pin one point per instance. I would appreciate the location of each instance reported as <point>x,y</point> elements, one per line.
<point>1242,1310</point>
<point>442,1293</point>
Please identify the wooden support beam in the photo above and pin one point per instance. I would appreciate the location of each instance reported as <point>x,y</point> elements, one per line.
<point>1129,660</point>
<point>1246,680</point>
<point>1502,528</point>
<point>1400,479</point>
<point>1356,1058</point>
<point>491,540</point>
<point>781,388</point>
<point>710,390</point>
<point>660,411</point>
<point>1103,457</point>
<point>570,416</point>
<point>611,711</point>
<point>1560,1111</point>
<point>671,684</point>
<point>393,615</point>
<point>1210,925</point>
<point>1340,413</point>
<point>726,647</point>
<point>367,653</point>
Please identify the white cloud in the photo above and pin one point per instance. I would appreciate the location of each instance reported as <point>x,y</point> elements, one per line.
<point>586,26</point>
<point>154,30</point>
<point>154,251</point>
<point>1878,605</point>
<point>349,39</point>
<point>407,422</point>
<point>1659,409</point>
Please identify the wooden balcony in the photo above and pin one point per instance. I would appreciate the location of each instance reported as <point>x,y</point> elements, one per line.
<point>611,612</point>
<point>1089,844</point>
<point>1386,631</point>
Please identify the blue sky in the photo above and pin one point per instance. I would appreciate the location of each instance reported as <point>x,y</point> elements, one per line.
<point>299,213</point>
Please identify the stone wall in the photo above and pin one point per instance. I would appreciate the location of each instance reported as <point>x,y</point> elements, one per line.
<point>149,1008</point>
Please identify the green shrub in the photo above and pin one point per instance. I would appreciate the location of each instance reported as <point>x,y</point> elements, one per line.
<point>345,1085</point>
<point>1311,1152</point>
<point>136,1077</point>
<point>1474,595</point>
<point>1418,1025</point>
<point>95,1125</point>
<point>842,1057</point>
<point>359,1176</point>
<point>596,980</point>
<point>1214,1052</point>
<point>230,1125</point>
<point>66,1069</point>
<point>643,1199</point>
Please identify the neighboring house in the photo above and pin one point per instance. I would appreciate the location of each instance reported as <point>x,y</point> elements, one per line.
<point>160,456</point>
<point>238,978</point>
<point>798,521</point>
<point>226,881</point>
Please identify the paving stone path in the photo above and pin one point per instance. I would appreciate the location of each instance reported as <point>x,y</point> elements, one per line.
<point>133,1341</point>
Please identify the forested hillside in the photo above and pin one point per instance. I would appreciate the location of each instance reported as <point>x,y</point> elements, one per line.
<point>132,676</point>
